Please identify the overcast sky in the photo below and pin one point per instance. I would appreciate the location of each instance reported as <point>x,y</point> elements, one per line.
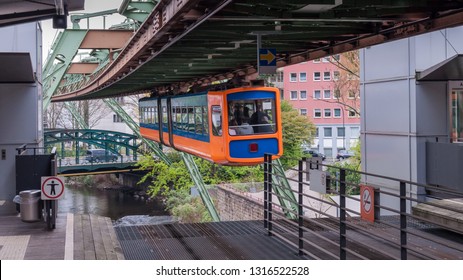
<point>91,6</point>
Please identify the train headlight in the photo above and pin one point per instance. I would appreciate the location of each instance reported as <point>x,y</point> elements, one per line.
<point>253,147</point>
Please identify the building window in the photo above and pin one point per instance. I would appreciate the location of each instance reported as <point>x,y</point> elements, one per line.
<point>303,95</point>
<point>351,94</point>
<point>293,95</point>
<point>326,76</point>
<point>336,75</point>
<point>327,132</point>
<point>316,76</point>
<point>293,77</point>
<point>354,132</point>
<point>337,93</point>
<point>337,57</point>
<point>303,112</point>
<point>302,77</point>
<point>352,114</point>
<point>341,132</point>
<point>326,94</point>
<point>317,60</point>
<point>317,94</point>
<point>117,118</point>
<point>316,132</point>
<point>456,132</point>
<point>326,59</point>
<point>337,112</point>
<point>327,113</point>
<point>280,76</point>
<point>317,113</point>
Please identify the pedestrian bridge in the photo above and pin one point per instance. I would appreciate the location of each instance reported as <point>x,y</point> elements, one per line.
<point>120,150</point>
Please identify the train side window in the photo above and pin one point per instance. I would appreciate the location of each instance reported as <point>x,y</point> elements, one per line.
<point>184,118</point>
<point>191,119</point>
<point>156,117</point>
<point>216,117</point>
<point>205,121</point>
<point>151,118</point>
<point>164,114</point>
<point>174,117</point>
<point>142,113</point>
<point>198,120</point>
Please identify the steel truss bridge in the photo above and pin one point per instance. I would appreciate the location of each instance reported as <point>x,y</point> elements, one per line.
<point>111,141</point>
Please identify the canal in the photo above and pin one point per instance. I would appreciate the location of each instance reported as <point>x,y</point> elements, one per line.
<point>115,204</point>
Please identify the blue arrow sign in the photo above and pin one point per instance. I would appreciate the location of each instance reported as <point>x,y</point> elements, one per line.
<point>267,61</point>
<point>267,57</point>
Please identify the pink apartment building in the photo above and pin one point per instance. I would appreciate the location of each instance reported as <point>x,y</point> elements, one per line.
<point>311,88</point>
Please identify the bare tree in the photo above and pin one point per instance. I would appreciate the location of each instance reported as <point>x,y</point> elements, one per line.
<point>346,81</point>
<point>93,110</point>
<point>53,116</point>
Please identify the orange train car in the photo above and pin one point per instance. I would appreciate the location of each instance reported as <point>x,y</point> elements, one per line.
<point>230,127</point>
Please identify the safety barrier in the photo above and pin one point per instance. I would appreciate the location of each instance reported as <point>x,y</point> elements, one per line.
<point>347,214</point>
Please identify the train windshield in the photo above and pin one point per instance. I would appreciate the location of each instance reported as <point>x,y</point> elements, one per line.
<point>251,116</point>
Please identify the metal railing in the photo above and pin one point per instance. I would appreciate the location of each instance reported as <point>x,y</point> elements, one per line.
<point>402,222</point>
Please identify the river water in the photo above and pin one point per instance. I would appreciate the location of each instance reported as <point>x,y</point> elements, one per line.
<point>121,207</point>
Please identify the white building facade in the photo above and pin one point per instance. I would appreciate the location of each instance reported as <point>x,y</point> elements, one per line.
<point>411,103</point>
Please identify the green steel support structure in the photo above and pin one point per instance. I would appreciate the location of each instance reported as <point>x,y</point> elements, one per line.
<point>198,180</point>
<point>64,50</point>
<point>285,195</point>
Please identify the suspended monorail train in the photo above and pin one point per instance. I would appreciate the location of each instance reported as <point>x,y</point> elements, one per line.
<point>230,127</point>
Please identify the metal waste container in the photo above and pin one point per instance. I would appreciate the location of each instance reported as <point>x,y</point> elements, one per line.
<point>30,205</point>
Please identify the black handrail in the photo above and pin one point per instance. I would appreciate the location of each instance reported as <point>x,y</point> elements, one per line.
<point>398,233</point>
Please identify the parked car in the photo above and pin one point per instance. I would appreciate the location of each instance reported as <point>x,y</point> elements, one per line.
<point>314,153</point>
<point>99,155</point>
<point>343,154</point>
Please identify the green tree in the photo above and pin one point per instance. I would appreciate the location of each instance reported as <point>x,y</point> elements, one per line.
<point>162,177</point>
<point>186,208</point>
<point>351,165</point>
<point>297,129</point>
<point>174,183</point>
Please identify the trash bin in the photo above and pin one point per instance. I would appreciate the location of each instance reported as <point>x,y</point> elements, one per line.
<point>30,205</point>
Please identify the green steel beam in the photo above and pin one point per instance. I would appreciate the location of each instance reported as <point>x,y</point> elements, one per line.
<point>198,180</point>
<point>93,136</point>
<point>63,51</point>
<point>75,19</point>
<point>137,10</point>
<point>285,195</point>
<point>72,108</point>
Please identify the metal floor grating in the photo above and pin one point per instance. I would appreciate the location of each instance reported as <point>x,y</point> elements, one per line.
<point>213,241</point>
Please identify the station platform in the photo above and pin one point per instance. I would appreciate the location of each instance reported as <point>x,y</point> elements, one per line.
<point>92,237</point>
<point>76,237</point>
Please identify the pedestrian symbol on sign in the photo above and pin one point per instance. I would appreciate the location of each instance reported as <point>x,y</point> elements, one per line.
<point>52,188</point>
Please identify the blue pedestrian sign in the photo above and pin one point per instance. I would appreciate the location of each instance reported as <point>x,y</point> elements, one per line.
<point>267,61</point>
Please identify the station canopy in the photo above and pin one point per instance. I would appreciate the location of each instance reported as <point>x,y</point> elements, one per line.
<point>21,11</point>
